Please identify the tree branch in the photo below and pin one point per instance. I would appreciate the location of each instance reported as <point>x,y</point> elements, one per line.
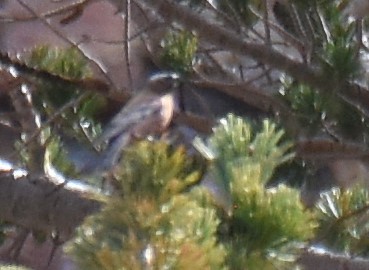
<point>90,84</point>
<point>315,260</point>
<point>42,206</point>
<point>172,12</point>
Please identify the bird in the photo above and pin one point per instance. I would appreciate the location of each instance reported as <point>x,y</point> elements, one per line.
<point>148,113</point>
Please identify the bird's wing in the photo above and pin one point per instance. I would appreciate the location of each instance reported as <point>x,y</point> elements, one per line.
<point>114,151</point>
<point>128,117</point>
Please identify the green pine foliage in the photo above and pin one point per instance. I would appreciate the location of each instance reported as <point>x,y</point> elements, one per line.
<point>57,156</point>
<point>343,220</point>
<point>331,45</point>
<point>340,58</point>
<point>338,51</point>
<point>336,56</point>
<point>71,65</point>
<point>308,104</point>
<point>237,142</point>
<point>156,170</point>
<point>315,109</point>
<point>179,51</point>
<point>157,221</point>
<point>162,218</point>
<point>78,119</point>
<point>264,222</point>
<point>67,63</point>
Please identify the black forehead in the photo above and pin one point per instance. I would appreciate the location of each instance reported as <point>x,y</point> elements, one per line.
<point>162,82</point>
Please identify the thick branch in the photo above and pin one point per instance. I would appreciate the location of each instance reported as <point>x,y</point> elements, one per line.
<point>41,206</point>
<point>221,37</point>
<point>90,84</point>
<point>224,38</point>
<point>315,260</point>
<point>249,94</point>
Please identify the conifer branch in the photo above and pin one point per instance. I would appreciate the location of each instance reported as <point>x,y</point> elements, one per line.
<point>40,206</point>
<point>173,12</point>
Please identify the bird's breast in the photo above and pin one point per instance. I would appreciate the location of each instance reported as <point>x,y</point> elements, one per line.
<point>167,109</point>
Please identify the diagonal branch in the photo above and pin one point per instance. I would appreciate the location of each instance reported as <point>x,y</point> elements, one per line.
<point>90,84</point>
<point>221,37</point>
<point>36,206</point>
<point>224,38</point>
<point>61,36</point>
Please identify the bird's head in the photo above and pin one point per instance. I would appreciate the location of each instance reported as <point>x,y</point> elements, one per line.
<point>164,82</point>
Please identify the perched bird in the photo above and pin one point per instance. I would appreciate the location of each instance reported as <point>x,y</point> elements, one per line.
<point>148,113</point>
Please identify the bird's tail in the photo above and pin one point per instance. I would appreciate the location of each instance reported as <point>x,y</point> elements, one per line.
<point>88,161</point>
<point>114,151</point>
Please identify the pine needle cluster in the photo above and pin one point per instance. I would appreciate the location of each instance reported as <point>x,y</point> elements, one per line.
<point>164,218</point>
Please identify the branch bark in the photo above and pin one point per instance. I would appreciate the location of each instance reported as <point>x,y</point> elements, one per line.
<point>315,260</point>
<point>352,93</point>
<point>89,84</point>
<point>40,205</point>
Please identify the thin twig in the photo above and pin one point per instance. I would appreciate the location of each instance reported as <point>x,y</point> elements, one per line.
<point>126,35</point>
<point>60,35</point>
<point>221,37</point>
<point>49,14</point>
<point>51,119</point>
